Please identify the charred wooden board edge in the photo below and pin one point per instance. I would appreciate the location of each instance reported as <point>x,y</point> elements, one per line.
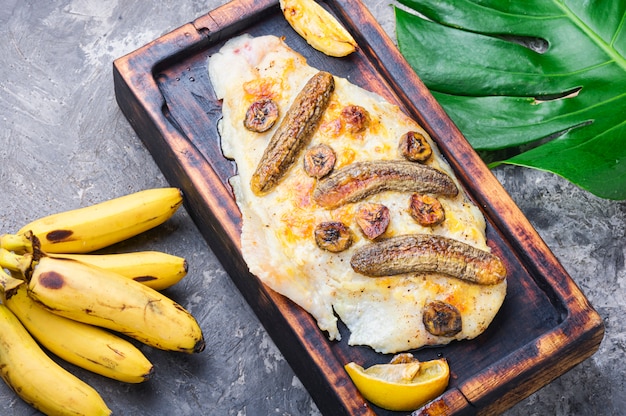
<point>137,94</point>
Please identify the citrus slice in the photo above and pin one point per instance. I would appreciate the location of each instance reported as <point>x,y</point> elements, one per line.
<point>403,386</point>
<point>318,27</point>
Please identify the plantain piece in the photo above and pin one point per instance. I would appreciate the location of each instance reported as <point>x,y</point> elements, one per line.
<point>261,115</point>
<point>417,253</point>
<point>293,133</point>
<point>37,379</point>
<point>97,226</point>
<point>442,319</point>
<point>414,147</point>
<point>103,298</point>
<point>333,236</point>
<point>373,219</point>
<point>154,269</point>
<point>319,160</point>
<point>318,27</point>
<point>85,346</point>
<point>355,118</point>
<point>359,180</point>
<point>426,210</point>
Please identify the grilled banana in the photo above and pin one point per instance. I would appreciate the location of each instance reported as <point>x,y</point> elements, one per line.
<point>96,226</point>
<point>293,133</point>
<point>417,253</point>
<point>85,346</point>
<point>318,27</point>
<point>37,379</point>
<point>103,298</point>
<point>359,180</point>
<point>155,269</point>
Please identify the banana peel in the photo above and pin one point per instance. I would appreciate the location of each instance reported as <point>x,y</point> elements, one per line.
<point>318,27</point>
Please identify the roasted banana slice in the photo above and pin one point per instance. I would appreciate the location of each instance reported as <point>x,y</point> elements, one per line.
<point>318,27</point>
<point>319,160</point>
<point>333,236</point>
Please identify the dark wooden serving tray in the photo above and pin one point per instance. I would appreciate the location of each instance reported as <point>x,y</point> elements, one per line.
<point>546,325</point>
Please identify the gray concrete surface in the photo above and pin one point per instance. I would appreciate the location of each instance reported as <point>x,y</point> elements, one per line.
<point>65,143</point>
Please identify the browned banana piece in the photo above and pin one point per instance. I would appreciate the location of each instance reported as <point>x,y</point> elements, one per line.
<point>261,115</point>
<point>319,160</point>
<point>417,253</point>
<point>442,319</point>
<point>293,133</point>
<point>373,219</point>
<point>426,210</point>
<point>333,236</point>
<point>414,147</point>
<point>359,180</point>
<point>355,118</point>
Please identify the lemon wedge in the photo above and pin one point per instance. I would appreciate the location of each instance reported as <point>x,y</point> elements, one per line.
<point>404,386</point>
<point>318,27</point>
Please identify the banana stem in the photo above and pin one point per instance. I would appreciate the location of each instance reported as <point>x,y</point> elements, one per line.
<point>19,243</point>
<point>15,262</point>
<point>8,282</point>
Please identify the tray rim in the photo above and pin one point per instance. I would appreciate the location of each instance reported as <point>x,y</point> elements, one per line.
<point>203,30</point>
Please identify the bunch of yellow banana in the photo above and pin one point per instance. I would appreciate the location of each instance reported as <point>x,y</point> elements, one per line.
<point>37,379</point>
<point>64,298</point>
<point>86,346</point>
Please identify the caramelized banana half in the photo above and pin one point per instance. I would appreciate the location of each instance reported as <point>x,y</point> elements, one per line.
<point>293,133</point>
<point>417,253</point>
<point>359,180</point>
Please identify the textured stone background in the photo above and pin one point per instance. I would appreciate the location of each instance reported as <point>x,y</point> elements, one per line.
<point>65,144</point>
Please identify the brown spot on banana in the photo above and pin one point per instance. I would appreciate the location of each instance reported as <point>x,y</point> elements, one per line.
<point>143,279</point>
<point>52,280</point>
<point>57,236</point>
<point>293,133</point>
<point>359,180</point>
<point>418,253</point>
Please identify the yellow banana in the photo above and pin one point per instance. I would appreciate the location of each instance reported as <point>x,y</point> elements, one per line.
<point>318,27</point>
<point>8,282</point>
<point>155,269</point>
<point>15,262</point>
<point>96,226</point>
<point>17,243</point>
<point>85,346</point>
<point>99,297</point>
<point>37,379</point>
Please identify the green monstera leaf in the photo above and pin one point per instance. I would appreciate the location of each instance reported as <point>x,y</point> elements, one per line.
<point>536,83</point>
